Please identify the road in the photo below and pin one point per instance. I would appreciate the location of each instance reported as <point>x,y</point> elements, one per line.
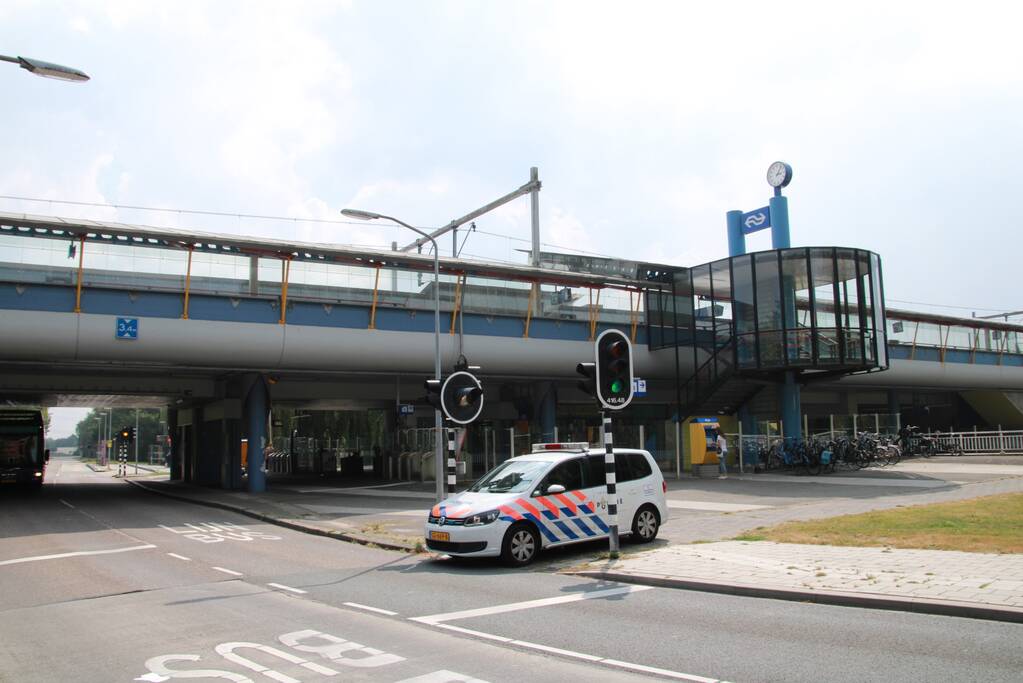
<point>102,581</point>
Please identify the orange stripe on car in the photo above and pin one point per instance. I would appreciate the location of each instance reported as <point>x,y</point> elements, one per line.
<point>525,505</point>
<point>550,506</point>
<point>511,512</point>
<point>568,502</point>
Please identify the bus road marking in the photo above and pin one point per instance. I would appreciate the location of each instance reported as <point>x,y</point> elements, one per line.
<point>287,588</point>
<point>80,553</point>
<point>228,571</point>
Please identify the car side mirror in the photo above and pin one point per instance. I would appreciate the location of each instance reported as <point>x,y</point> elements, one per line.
<point>46,455</point>
<point>555,488</point>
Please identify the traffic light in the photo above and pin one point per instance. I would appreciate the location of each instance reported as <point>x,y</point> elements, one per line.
<point>614,370</point>
<point>134,433</point>
<point>462,397</point>
<point>433,388</point>
<point>587,385</point>
<point>125,434</point>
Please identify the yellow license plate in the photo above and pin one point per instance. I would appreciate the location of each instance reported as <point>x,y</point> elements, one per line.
<point>440,536</point>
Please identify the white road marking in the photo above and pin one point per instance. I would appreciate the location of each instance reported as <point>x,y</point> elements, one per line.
<point>371,493</point>
<point>556,651</point>
<point>350,510</point>
<point>180,557</point>
<point>677,675</point>
<point>371,609</point>
<point>846,481</point>
<point>228,571</point>
<point>80,553</point>
<point>287,588</point>
<point>67,503</point>
<point>713,507</point>
<point>435,619</point>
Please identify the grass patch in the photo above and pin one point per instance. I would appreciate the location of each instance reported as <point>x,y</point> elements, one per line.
<point>982,525</point>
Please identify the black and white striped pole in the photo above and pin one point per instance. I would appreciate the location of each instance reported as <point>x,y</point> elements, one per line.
<point>611,483</point>
<point>451,458</point>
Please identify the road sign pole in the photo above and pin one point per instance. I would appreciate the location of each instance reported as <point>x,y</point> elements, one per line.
<point>609,480</point>
<point>451,457</point>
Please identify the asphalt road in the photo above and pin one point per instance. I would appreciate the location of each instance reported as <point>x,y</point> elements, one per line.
<point>100,581</point>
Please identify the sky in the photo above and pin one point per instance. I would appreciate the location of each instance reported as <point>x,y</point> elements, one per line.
<point>648,121</point>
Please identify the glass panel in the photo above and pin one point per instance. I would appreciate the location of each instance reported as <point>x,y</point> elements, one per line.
<point>768,292</point>
<point>866,305</point>
<point>722,305</point>
<point>683,308</point>
<point>796,292</point>
<point>743,311</point>
<point>879,326</point>
<point>848,306</point>
<point>703,306</point>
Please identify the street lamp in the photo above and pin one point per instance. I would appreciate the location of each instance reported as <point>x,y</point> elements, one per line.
<point>438,453</point>
<point>47,69</point>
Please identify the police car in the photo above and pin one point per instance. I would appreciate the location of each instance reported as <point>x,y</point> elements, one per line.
<point>553,496</point>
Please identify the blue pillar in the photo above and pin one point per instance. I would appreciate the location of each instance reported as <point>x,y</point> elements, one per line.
<point>780,222</point>
<point>254,412</point>
<point>736,238</point>
<point>548,412</point>
<point>791,415</point>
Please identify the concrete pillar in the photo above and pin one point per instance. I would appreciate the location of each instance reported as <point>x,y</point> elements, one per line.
<point>548,411</point>
<point>789,399</point>
<point>174,459</point>
<point>255,404</point>
<point>780,223</point>
<point>736,237</point>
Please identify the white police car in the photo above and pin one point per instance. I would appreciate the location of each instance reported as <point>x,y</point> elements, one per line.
<point>554,496</point>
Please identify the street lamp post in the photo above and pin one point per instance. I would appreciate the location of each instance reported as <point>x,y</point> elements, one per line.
<point>47,69</point>
<point>99,437</point>
<point>438,454</point>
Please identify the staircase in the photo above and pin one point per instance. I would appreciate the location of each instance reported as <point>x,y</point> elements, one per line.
<point>717,388</point>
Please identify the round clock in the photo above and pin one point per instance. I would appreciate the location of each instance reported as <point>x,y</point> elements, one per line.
<point>779,174</point>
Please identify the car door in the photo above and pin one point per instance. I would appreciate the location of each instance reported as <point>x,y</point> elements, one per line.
<point>628,490</point>
<point>570,515</point>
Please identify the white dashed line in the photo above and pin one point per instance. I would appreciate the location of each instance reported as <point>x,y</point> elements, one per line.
<point>180,557</point>
<point>371,609</point>
<point>228,571</point>
<point>67,503</point>
<point>287,588</point>
<point>660,672</point>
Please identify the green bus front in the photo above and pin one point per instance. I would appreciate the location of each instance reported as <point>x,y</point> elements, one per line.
<point>22,456</point>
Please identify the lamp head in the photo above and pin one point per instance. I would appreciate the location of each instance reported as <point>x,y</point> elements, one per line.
<point>361,215</point>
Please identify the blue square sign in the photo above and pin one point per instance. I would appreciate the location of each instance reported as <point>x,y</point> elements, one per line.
<point>127,328</point>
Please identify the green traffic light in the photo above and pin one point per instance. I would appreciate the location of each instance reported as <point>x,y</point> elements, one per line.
<point>616,387</point>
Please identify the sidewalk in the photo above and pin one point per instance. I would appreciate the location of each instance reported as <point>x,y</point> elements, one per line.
<point>975,585</point>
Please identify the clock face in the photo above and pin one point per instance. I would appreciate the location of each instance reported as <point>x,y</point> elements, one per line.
<point>779,174</point>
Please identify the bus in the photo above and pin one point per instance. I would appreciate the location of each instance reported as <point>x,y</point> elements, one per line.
<point>22,456</point>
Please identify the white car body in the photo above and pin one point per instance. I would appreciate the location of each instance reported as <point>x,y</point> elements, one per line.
<point>575,515</point>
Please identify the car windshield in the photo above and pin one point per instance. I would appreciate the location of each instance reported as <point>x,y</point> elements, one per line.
<point>511,476</point>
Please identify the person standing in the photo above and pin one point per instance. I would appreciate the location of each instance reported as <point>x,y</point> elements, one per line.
<point>722,444</point>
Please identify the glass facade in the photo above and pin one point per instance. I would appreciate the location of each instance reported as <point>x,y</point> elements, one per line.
<point>812,308</point>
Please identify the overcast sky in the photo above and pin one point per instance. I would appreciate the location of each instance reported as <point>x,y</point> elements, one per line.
<point>903,123</point>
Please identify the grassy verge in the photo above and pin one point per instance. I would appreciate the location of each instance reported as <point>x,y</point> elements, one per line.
<point>993,524</point>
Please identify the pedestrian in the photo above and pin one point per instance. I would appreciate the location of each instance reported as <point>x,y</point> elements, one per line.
<point>722,456</point>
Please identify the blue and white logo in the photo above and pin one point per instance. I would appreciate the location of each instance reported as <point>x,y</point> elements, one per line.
<point>638,386</point>
<point>127,328</point>
<point>758,219</point>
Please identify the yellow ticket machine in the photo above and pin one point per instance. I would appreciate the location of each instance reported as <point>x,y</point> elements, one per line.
<point>702,433</point>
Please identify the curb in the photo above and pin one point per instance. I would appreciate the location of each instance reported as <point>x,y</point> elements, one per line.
<point>948,608</point>
<point>294,526</point>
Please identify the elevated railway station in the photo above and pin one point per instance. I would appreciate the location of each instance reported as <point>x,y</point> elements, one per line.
<point>222,330</point>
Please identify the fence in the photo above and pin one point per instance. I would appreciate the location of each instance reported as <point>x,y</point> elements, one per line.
<point>999,441</point>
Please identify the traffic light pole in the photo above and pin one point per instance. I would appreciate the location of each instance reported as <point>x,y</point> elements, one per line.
<point>451,458</point>
<point>609,480</point>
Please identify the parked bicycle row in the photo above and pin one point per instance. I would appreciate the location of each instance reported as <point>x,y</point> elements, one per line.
<point>866,449</point>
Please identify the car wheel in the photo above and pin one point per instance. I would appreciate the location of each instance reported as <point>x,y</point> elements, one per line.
<point>521,545</point>
<point>645,525</point>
